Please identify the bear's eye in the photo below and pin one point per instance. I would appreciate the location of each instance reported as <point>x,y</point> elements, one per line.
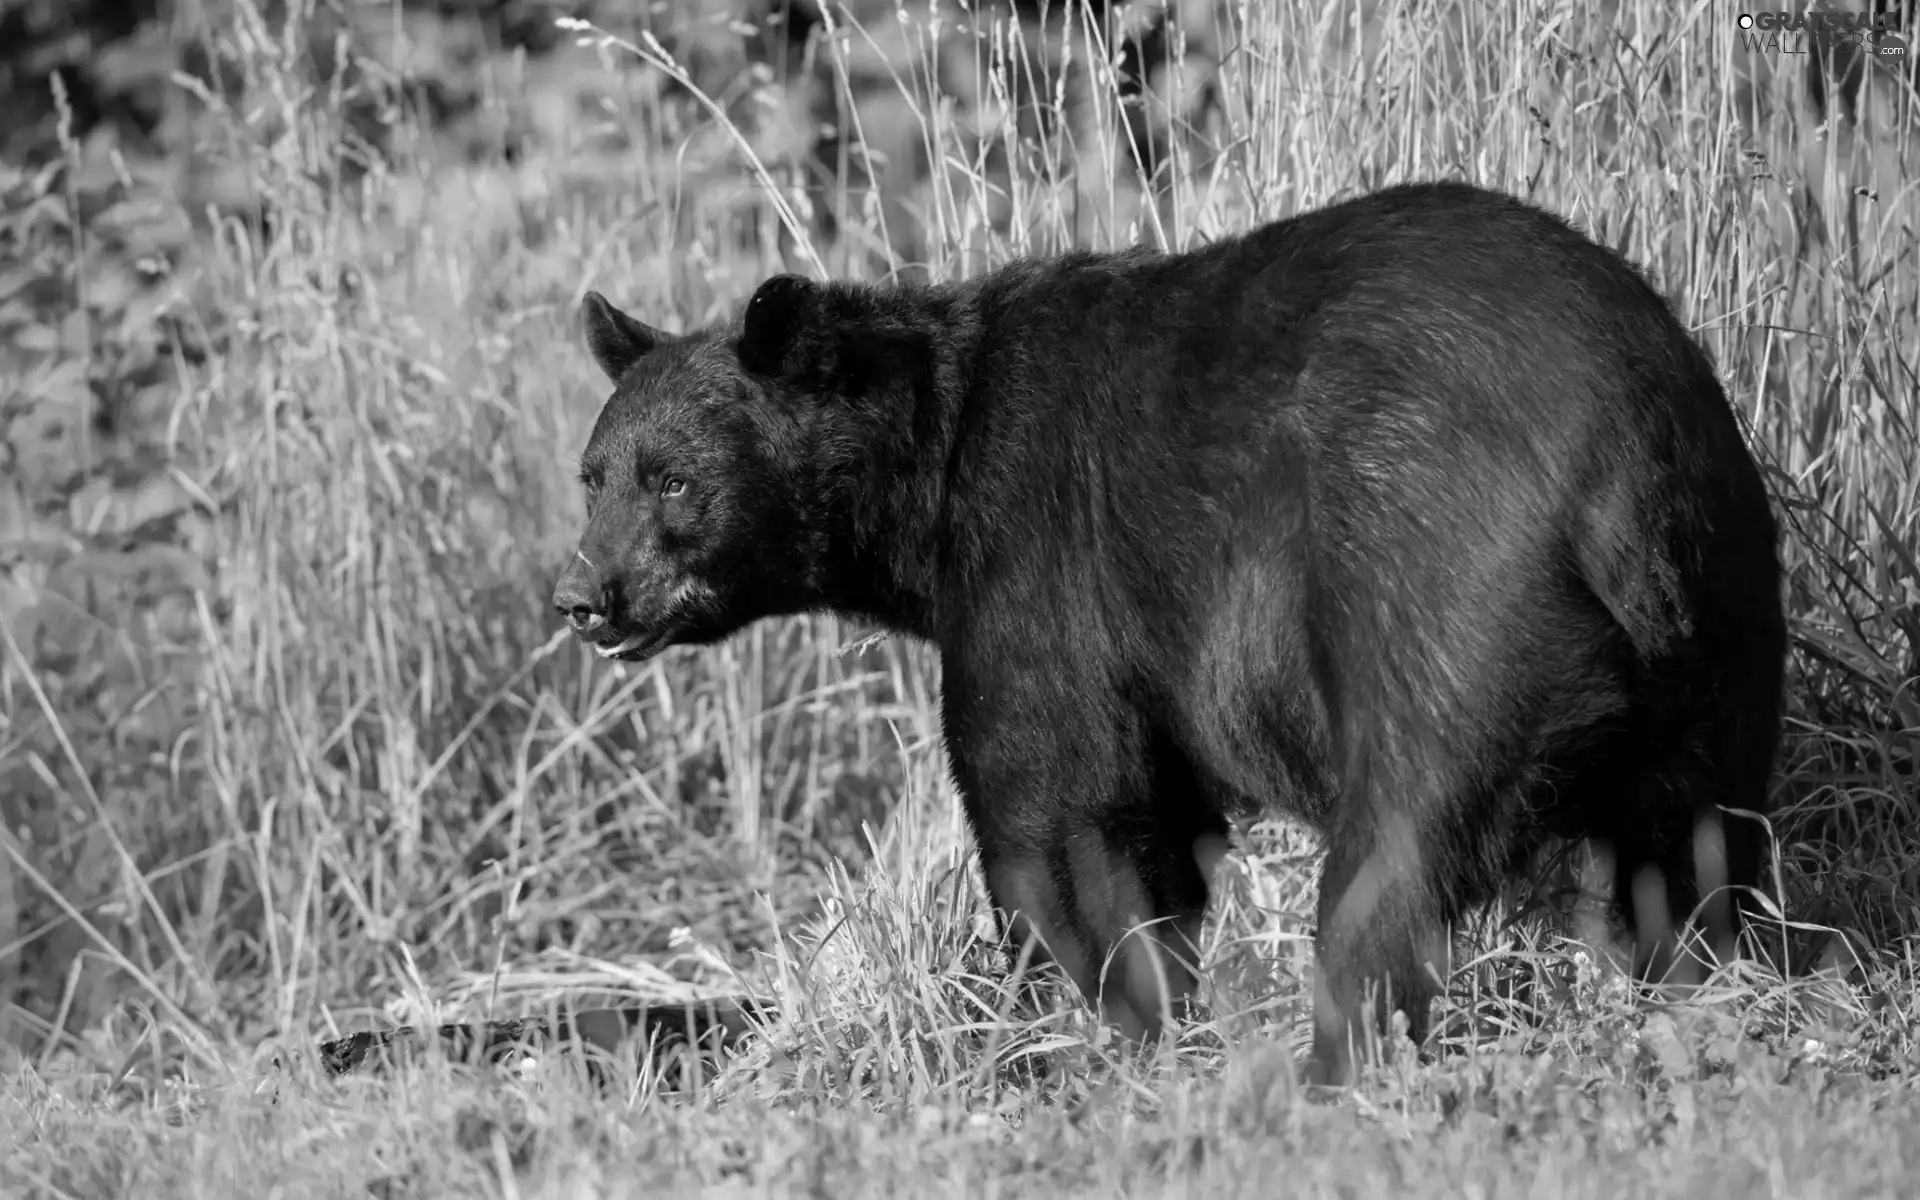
<point>673,486</point>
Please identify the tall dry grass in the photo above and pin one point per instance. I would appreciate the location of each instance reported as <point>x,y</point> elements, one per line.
<point>366,769</point>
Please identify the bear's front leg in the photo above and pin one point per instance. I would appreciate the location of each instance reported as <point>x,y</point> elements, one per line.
<point>1382,941</point>
<point>1095,848</point>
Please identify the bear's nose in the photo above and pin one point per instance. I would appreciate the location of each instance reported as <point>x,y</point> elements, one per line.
<point>580,599</point>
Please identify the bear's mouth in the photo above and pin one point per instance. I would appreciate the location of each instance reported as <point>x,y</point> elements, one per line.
<point>631,647</point>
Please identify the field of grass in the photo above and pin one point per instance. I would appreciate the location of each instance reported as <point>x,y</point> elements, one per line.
<point>290,744</point>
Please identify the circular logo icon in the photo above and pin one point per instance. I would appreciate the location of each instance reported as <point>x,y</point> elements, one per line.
<point>1746,21</point>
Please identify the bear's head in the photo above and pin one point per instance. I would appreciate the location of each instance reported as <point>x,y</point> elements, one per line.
<point>705,497</point>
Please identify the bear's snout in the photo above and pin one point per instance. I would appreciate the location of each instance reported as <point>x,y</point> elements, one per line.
<point>623,613</point>
<point>581,596</point>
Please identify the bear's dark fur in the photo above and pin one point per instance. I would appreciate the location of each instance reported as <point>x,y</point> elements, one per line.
<point>1419,517</point>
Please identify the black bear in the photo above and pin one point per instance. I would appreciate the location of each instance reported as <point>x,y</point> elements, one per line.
<point>1418,516</point>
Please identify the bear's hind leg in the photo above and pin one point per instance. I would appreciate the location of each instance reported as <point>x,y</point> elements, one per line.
<point>1706,745</point>
<point>1687,858</point>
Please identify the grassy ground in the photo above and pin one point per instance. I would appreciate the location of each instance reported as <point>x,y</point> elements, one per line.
<point>290,745</point>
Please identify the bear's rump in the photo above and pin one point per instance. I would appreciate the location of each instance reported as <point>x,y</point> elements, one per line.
<point>1291,681</point>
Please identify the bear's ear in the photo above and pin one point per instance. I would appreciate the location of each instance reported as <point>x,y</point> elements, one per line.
<point>616,339</point>
<point>780,327</point>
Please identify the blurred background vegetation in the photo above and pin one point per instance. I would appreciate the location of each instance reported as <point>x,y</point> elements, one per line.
<point>290,385</point>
